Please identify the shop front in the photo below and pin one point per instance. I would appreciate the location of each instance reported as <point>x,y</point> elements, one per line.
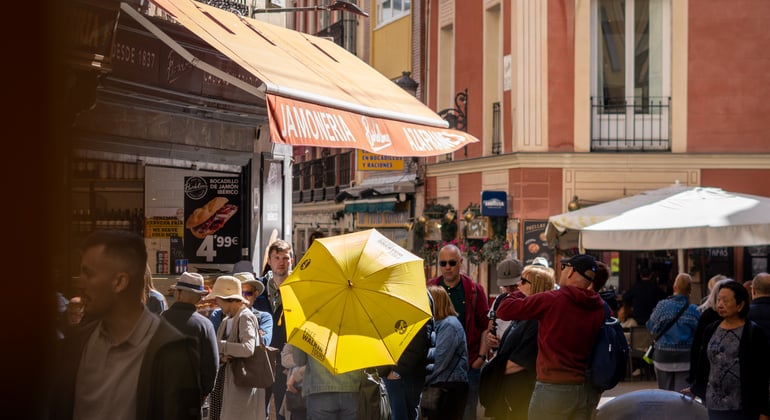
<point>182,112</point>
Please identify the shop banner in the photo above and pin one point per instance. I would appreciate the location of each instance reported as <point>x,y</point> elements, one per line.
<point>211,233</point>
<point>535,243</point>
<point>302,123</point>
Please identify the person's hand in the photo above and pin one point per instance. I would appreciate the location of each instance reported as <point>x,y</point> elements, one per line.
<point>261,333</point>
<point>492,340</point>
<point>688,392</point>
<point>290,386</point>
<point>225,358</point>
<point>393,375</point>
<point>478,362</point>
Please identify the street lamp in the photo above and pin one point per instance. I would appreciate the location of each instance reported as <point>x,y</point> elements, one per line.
<point>339,5</point>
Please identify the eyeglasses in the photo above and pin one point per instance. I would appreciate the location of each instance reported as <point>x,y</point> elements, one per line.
<point>247,293</point>
<point>451,263</point>
<point>525,281</point>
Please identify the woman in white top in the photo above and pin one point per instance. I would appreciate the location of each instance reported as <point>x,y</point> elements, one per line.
<point>236,338</point>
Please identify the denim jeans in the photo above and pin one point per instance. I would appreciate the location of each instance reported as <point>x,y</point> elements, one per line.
<point>332,406</point>
<point>472,403</point>
<point>404,396</point>
<point>562,401</point>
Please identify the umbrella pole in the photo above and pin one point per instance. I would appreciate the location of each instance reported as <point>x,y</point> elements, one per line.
<point>681,268</point>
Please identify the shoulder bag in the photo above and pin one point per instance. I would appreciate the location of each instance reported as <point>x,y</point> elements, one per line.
<point>257,370</point>
<point>649,355</point>
<point>433,398</point>
<point>373,400</point>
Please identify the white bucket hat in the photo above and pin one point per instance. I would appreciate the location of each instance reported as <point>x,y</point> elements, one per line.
<point>227,287</point>
<point>191,282</point>
<point>248,278</point>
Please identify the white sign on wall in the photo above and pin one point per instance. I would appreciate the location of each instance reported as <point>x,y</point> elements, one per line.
<point>507,72</point>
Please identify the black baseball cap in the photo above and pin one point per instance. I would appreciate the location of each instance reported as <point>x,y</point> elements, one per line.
<point>583,264</point>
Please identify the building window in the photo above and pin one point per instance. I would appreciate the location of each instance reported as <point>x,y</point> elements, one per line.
<point>330,167</point>
<point>317,169</point>
<point>305,176</point>
<point>345,175</point>
<point>389,10</point>
<point>631,70</point>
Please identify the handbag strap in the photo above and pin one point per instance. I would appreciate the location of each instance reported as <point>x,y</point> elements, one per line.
<point>672,322</point>
<point>238,336</point>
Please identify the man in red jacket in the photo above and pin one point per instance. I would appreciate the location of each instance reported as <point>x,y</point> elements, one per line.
<point>472,305</point>
<point>568,322</point>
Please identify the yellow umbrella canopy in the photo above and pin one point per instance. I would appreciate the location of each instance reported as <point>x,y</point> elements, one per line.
<point>355,301</point>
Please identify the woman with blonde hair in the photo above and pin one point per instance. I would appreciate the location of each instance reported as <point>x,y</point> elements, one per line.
<point>509,398</point>
<point>236,338</point>
<point>447,358</point>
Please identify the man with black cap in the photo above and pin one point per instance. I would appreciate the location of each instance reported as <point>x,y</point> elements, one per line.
<point>183,315</point>
<point>569,321</point>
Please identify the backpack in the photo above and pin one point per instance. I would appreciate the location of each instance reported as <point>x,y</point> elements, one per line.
<point>609,357</point>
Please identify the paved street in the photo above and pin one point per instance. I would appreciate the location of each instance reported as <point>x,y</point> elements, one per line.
<point>622,388</point>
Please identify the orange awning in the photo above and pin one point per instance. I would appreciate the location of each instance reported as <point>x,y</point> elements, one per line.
<point>317,93</point>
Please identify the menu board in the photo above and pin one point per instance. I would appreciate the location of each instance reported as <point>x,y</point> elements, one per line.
<point>534,242</point>
<point>212,228</point>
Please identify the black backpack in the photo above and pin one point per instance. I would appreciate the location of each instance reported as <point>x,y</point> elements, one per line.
<point>609,357</point>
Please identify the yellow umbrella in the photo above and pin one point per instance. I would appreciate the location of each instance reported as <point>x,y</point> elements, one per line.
<point>355,301</point>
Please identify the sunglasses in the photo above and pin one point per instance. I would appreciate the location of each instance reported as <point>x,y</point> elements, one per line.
<point>451,263</point>
<point>563,266</point>
<point>247,293</point>
<point>525,281</point>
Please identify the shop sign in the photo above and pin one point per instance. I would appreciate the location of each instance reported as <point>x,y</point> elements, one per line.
<point>535,242</point>
<point>272,209</point>
<point>212,227</point>
<point>142,58</point>
<point>91,27</point>
<point>494,203</point>
<point>373,162</point>
<point>163,227</point>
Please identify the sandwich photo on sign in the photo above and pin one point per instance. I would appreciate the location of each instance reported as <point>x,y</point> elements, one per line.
<point>209,218</point>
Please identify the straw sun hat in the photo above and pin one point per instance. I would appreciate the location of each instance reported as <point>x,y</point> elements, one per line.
<point>227,287</point>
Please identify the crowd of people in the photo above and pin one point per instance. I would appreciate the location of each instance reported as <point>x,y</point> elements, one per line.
<point>524,357</point>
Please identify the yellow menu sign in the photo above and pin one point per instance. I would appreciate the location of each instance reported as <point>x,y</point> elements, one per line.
<point>368,161</point>
<point>163,227</point>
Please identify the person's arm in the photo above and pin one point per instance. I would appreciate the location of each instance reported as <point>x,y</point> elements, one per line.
<point>522,308</point>
<point>448,341</point>
<point>209,358</point>
<point>247,338</point>
<point>216,318</point>
<point>482,307</point>
<point>300,357</point>
<point>656,321</point>
<point>266,326</point>
<point>176,391</point>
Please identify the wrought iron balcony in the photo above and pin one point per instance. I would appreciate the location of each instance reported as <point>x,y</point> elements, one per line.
<point>631,124</point>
